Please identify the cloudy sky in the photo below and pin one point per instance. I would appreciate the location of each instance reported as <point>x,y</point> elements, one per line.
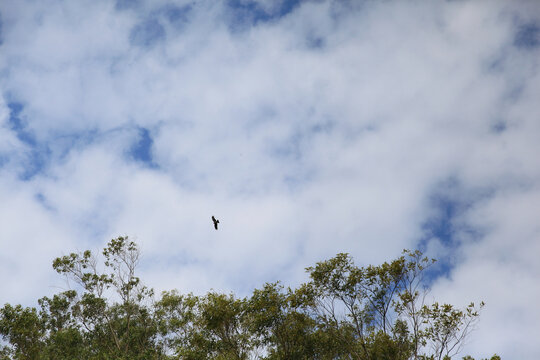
<point>307,127</point>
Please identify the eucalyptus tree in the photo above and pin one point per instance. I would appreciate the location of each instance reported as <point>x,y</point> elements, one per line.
<point>344,311</point>
<point>381,311</point>
<point>112,310</point>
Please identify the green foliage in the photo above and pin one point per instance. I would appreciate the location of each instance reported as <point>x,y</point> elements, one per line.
<point>23,329</point>
<point>279,321</point>
<point>342,312</point>
<point>494,357</point>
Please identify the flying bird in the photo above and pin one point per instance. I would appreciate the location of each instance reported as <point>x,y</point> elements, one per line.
<point>216,221</point>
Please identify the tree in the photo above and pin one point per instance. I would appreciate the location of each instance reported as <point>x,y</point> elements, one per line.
<point>448,327</point>
<point>23,329</point>
<point>281,324</point>
<point>380,311</point>
<point>343,312</point>
<point>64,339</point>
<point>124,328</point>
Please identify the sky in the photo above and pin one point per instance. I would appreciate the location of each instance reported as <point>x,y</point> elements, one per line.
<point>308,128</point>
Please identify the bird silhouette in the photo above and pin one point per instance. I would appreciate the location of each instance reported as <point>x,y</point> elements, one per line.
<point>216,221</point>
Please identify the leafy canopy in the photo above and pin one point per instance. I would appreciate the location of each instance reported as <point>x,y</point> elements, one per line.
<point>342,312</point>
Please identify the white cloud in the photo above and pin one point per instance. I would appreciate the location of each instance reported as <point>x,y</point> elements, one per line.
<point>30,238</point>
<point>328,130</point>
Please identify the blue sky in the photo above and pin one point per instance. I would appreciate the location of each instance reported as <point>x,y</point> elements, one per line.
<point>307,127</point>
